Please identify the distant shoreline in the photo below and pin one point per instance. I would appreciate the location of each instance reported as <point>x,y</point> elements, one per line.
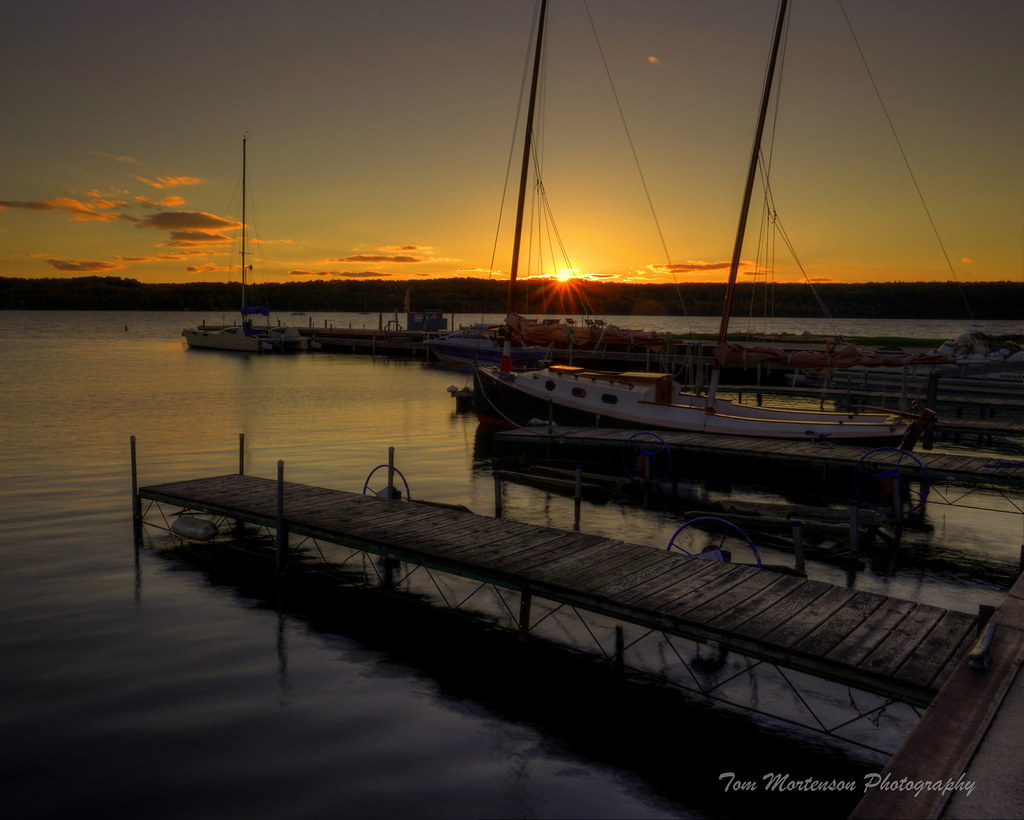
<point>952,301</point>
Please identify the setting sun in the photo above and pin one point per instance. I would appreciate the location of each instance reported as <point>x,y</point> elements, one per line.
<point>565,274</point>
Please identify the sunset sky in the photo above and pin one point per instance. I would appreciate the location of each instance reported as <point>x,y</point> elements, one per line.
<point>379,134</point>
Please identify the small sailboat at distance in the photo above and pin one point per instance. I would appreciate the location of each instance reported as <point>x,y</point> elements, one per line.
<point>246,337</point>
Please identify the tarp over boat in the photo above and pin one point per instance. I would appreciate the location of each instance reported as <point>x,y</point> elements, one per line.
<point>833,356</point>
<point>562,334</point>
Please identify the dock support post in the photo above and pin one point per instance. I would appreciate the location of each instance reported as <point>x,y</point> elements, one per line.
<point>854,530</point>
<point>798,547</point>
<point>282,531</point>
<point>620,648</point>
<point>525,599</point>
<point>136,501</point>
<point>241,453</point>
<point>577,497</point>
<point>391,473</point>
<point>497,496</point>
<point>930,401</point>
<point>897,510</point>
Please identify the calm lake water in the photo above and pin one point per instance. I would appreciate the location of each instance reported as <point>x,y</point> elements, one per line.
<point>163,685</point>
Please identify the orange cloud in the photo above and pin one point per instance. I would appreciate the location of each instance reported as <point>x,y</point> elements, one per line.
<point>209,269</point>
<point>366,274</point>
<point>186,220</point>
<point>84,266</point>
<point>190,228</point>
<point>170,182</point>
<point>79,211</point>
<point>373,257</point>
<point>690,267</point>
<point>172,201</point>
<point>395,248</point>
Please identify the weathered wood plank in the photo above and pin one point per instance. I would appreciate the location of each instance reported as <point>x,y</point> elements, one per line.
<point>626,558</point>
<point>780,612</point>
<point>851,613</point>
<point>688,601</point>
<point>863,640</point>
<point>557,564</point>
<point>800,624</point>
<point>754,585</point>
<point>901,641</point>
<point>683,579</point>
<point>732,618</point>
<point>940,650</point>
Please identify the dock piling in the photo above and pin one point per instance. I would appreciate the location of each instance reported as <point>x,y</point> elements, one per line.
<point>525,599</point>
<point>578,496</point>
<point>798,546</point>
<point>136,501</point>
<point>281,541</point>
<point>241,453</point>
<point>498,495</point>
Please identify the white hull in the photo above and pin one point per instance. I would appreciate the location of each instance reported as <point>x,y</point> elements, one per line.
<point>230,338</point>
<point>235,338</point>
<point>653,401</point>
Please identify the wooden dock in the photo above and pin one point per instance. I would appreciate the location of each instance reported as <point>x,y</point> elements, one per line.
<point>969,737</point>
<point>993,470</point>
<point>898,649</point>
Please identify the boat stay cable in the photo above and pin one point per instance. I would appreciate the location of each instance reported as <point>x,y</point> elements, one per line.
<point>906,162</point>
<point>636,159</point>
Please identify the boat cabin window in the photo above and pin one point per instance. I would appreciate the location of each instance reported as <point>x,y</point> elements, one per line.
<point>549,384</point>
<point>579,392</point>
<point>609,398</point>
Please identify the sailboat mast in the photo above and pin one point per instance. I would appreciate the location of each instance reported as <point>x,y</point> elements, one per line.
<point>527,149</point>
<point>730,288</point>
<point>243,222</point>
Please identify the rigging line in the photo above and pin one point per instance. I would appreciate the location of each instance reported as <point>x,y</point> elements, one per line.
<point>906,162</point>
<point>636,159</point>
<point>780,229</point>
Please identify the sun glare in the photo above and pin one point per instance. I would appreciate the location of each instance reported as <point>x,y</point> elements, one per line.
<point>565,274</point>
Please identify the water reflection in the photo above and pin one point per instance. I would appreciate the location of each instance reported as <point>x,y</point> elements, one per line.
<point>138,676</point>
<point>541,701</point>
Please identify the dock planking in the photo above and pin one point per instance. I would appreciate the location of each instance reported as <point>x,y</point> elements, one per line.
<point>896,648</point>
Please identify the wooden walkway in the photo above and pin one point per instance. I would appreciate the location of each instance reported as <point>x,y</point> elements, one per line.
<point>994,470</point>
<point>899,649</point>
<point>970,733</point>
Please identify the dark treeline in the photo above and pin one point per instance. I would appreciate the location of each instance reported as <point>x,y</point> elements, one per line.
<point>894,300</point>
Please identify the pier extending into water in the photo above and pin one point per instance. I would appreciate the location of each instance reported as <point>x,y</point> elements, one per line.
<point>964,670</point>
<point>899,650</point>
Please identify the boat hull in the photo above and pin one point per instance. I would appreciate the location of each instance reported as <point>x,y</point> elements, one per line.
<point>627,400</point>
<point>468,349</point>
<point>235,338</point>
<point>229,338</point>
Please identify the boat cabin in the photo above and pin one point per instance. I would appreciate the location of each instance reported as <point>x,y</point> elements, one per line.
<point>661,382</point>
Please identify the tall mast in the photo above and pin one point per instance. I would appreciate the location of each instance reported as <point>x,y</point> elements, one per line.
<point>527,148</point>
<point>243,222</point>
<point>730,288</point>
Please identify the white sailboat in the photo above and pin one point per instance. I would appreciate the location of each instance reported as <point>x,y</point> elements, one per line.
<point>565,395</point>
<point>246,337</point>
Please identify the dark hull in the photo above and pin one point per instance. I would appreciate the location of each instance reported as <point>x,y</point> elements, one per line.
<point>497,404</point>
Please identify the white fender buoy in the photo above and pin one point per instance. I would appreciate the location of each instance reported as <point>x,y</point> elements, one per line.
<point>197,528</point>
